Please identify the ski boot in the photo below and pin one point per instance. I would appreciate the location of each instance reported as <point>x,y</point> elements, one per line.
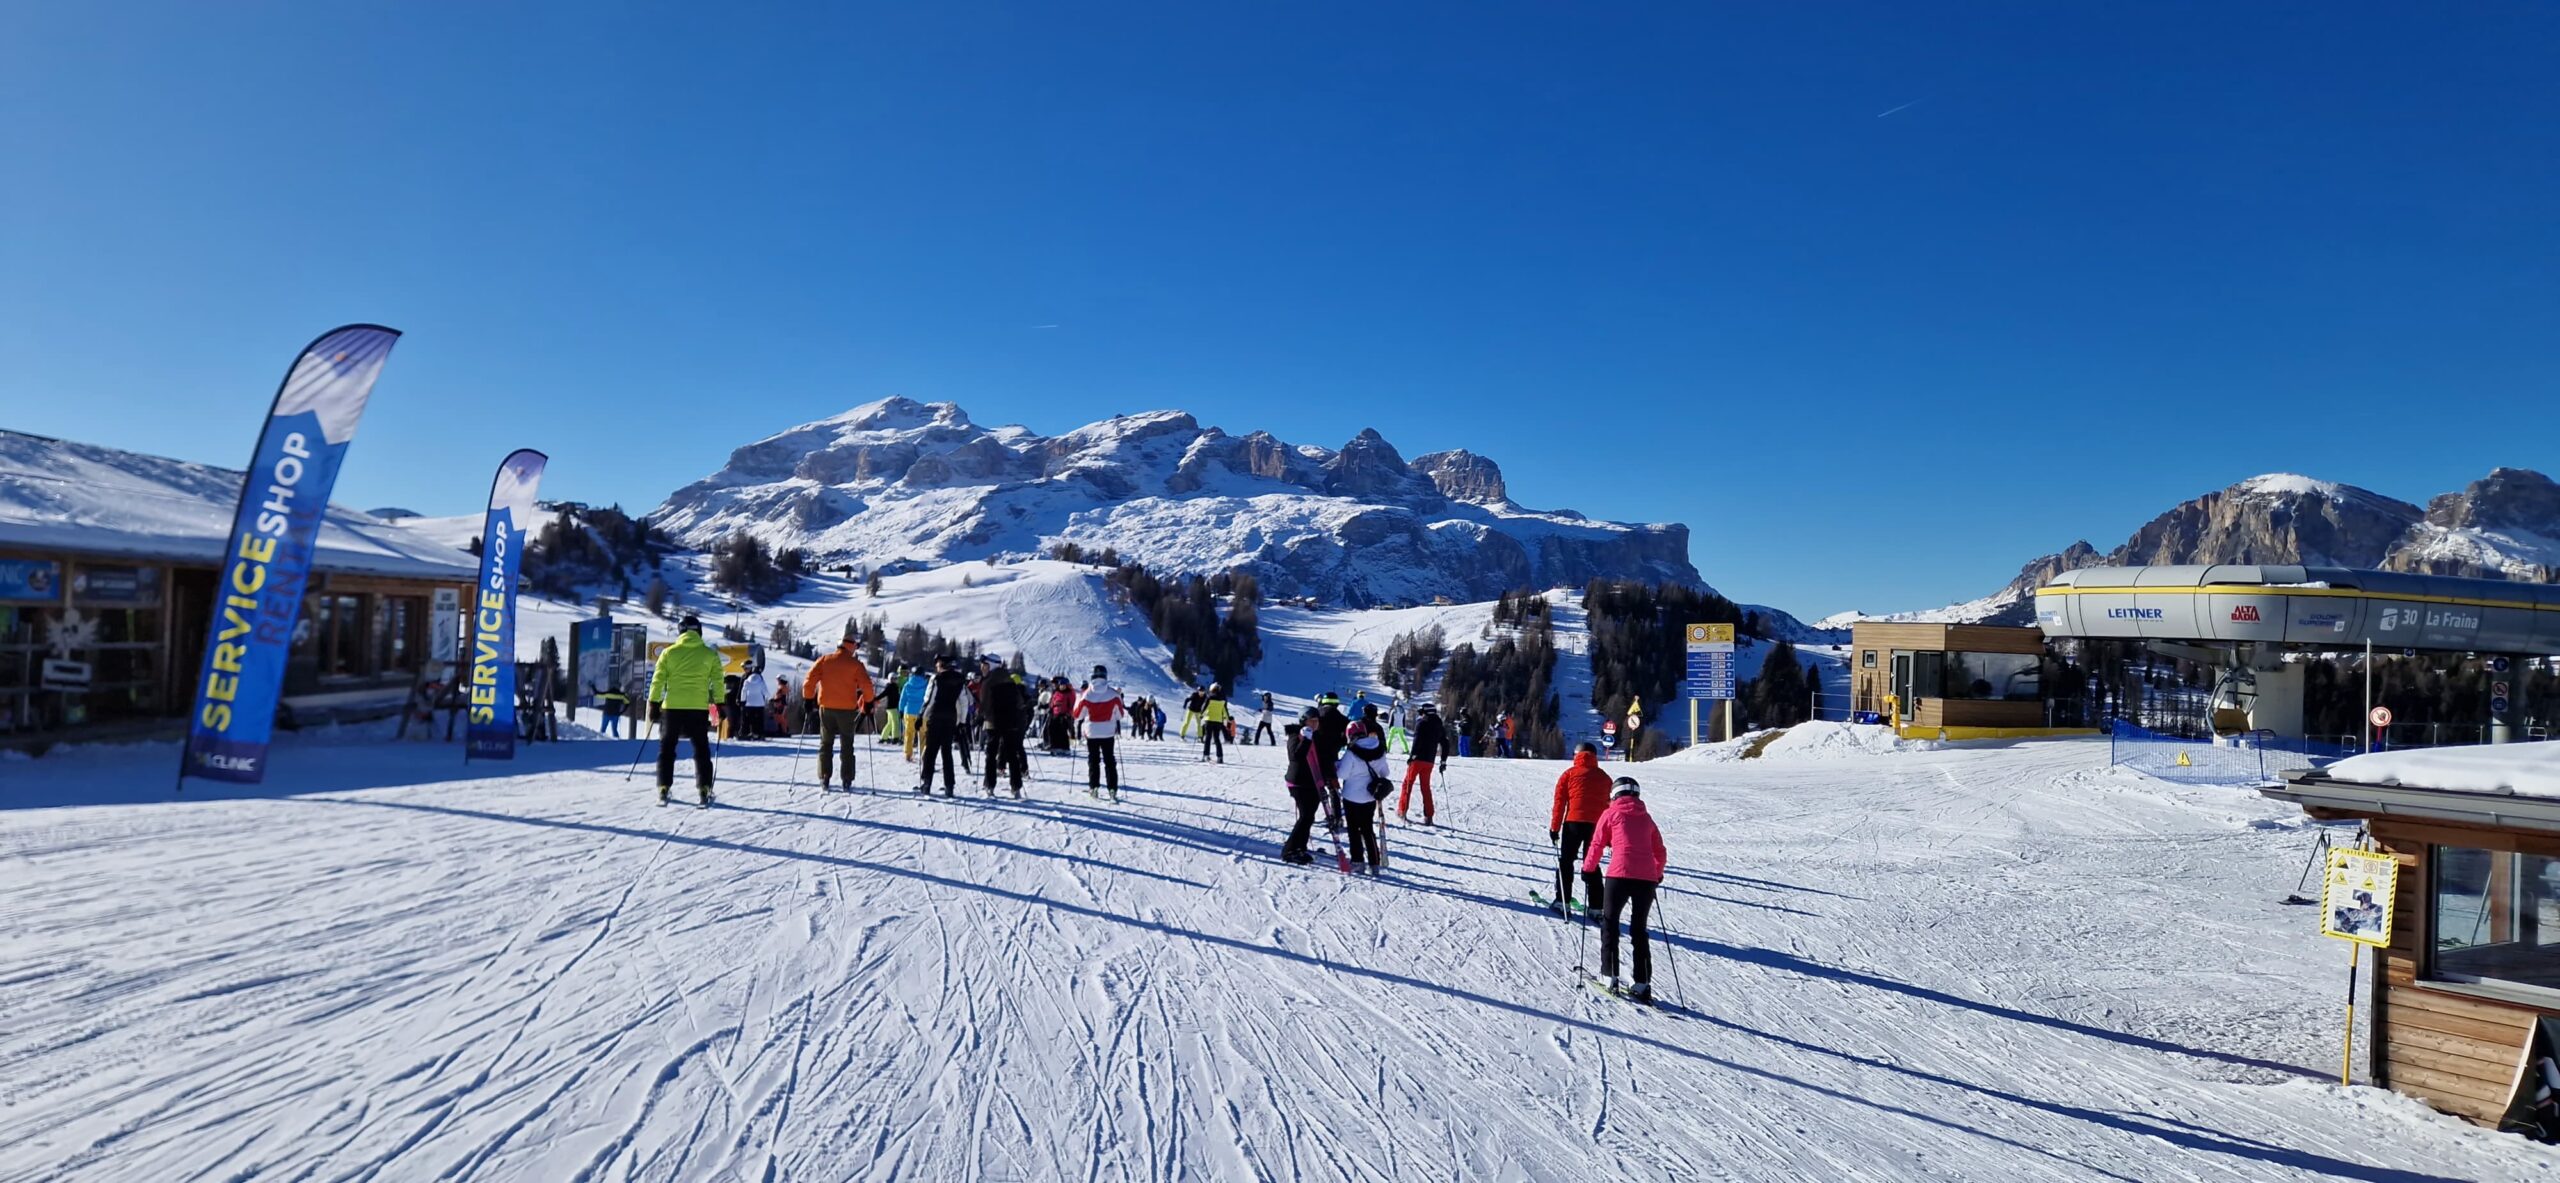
<point>1641,994</point>
<point>706,798</point>
<point>662,794</point>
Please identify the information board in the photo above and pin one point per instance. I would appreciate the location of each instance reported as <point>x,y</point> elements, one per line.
<point>1710,668</point>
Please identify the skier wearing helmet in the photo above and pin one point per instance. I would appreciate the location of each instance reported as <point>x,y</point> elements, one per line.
<point>1332,727</point>
<point>1636,861</point>
<point>1365,778</point>
<point>1213,724</point>
<point>1582,793</point>
<point>1100,708</point>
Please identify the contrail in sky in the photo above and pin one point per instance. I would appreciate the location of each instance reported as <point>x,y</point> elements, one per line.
<point>1905,107</point>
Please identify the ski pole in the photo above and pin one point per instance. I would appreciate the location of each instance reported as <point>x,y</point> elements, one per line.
<point>795,763</point>
<point>635,756</point>
<point>1581,940</point>
<point>1678,996</point>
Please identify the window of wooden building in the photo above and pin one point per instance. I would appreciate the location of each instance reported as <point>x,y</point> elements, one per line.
<point>2496,917</point>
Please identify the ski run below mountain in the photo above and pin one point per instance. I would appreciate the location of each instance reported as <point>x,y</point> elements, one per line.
<point>1965,963</point>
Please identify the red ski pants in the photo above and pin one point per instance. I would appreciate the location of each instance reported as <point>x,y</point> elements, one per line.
<point>1414,769</point>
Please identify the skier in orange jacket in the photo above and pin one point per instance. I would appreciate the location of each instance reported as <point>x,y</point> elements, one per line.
<point>841,690</point>
<point>1582,795</point>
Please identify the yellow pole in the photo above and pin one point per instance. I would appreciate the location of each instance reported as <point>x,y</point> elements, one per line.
<point>2347,1055</point>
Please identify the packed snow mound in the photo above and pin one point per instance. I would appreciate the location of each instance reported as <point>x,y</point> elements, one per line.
<point>908,484</point>
<point>1835,741</point>
<point>1803,742</point>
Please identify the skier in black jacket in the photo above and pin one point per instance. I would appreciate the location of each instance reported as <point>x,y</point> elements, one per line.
<point>1430,746</point>
<point>942,723</point>
<point>1331,726</point>
<point>1005,707</point>
<point>1306,790</point>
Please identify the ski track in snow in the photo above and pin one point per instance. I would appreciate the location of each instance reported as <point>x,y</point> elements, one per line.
<point>1921,965</point>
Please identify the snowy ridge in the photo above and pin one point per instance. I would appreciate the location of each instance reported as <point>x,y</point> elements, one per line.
<point>903,484</point>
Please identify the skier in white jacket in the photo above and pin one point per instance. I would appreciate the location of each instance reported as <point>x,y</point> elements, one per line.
<point>1100,709</point>
<point>1365,781</point>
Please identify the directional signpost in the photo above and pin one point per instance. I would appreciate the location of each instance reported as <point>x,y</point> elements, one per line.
<point>1710,673</point>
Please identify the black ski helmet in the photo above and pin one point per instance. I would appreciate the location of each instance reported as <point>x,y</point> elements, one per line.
<point>1100,672</point>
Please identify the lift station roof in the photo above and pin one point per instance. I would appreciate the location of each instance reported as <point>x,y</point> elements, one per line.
<point>2310,607</point>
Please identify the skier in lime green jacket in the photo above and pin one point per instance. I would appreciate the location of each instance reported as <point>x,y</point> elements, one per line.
<point>686,680</point>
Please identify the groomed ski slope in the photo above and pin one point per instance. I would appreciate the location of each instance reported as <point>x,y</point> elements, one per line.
<point>2004,964</point>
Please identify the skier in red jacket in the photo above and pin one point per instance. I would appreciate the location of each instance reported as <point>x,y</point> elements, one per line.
<point>1636,860</point>
<point>1581,794</point>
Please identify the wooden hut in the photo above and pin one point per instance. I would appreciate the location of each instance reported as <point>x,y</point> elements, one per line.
<point>2473,964</point>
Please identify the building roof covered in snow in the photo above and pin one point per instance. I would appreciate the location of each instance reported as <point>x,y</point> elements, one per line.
<point>62,496</point>
<point>2506,785</point>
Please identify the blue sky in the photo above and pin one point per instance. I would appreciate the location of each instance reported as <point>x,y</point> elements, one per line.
<point>1881,299</point>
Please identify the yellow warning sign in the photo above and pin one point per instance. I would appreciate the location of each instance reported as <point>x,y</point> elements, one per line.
<point>2356,898</point>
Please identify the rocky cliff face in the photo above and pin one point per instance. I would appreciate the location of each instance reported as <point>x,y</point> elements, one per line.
<point>2274,519</point>
<point>2504,526</point>
<point>901,481</point>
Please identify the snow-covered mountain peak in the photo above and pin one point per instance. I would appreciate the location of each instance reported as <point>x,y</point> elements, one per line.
<point>900,413</point>
<point>903,482</point>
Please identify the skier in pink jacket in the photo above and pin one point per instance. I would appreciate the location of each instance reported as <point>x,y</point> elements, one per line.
<point>1636,861</point>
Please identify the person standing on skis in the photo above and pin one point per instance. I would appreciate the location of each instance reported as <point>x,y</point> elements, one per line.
<point>1100,709</point>
<point>680,691</point>
<point>1062,712</point>
<point>940,712</point>
<point>1005,708</point>
<point>1332,734</point>
<point>1213,723</point>
<point>911,711</point>
<point>1191,704</point>
<point>1582,793</point>
<point>1364,776</point>
<point>1262,730</point>
<point>1636,862</point>
<point>757,697</point>
<point>889,698</point>
<point>1305,783</point>
<point>1430,744</point>
<point>839,690</point>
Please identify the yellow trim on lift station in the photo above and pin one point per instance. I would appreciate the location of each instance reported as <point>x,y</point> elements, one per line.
<point>2351,593</point>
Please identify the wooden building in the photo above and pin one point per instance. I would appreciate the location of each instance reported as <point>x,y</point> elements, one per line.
<point>108,567</point>
<point>2474,960</point>
<point>1952,677</point>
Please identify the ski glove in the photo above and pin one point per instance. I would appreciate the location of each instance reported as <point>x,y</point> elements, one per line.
<point>653,712</point>
<point>1555,838</point>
